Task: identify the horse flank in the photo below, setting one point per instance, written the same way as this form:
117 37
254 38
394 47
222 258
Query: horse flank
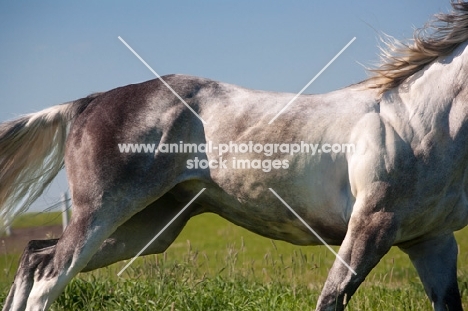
32 151
400 60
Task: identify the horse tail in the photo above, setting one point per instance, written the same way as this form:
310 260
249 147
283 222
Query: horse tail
32 151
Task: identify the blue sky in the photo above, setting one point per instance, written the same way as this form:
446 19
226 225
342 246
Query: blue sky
57 51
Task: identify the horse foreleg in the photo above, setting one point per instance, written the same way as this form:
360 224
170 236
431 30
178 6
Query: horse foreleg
370 235
436 262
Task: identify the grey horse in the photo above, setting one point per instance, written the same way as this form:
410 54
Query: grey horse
404 184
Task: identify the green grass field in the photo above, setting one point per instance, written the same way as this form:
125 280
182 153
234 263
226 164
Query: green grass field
37 219
214 265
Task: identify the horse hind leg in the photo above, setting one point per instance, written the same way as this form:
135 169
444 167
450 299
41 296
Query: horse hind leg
34 254
132 236
44 272
436 262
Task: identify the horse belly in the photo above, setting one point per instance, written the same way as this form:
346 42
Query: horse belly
249 202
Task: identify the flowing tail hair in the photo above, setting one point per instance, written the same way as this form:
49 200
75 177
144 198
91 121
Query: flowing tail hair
32 151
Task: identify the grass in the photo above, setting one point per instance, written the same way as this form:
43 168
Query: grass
37 219
214 265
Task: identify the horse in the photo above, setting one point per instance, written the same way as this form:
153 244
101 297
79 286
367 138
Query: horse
404 185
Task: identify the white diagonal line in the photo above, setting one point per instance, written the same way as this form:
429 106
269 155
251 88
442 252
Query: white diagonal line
313 231
159 77
313 79
160 232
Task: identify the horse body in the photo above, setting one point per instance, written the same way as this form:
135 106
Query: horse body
240 195
405 183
